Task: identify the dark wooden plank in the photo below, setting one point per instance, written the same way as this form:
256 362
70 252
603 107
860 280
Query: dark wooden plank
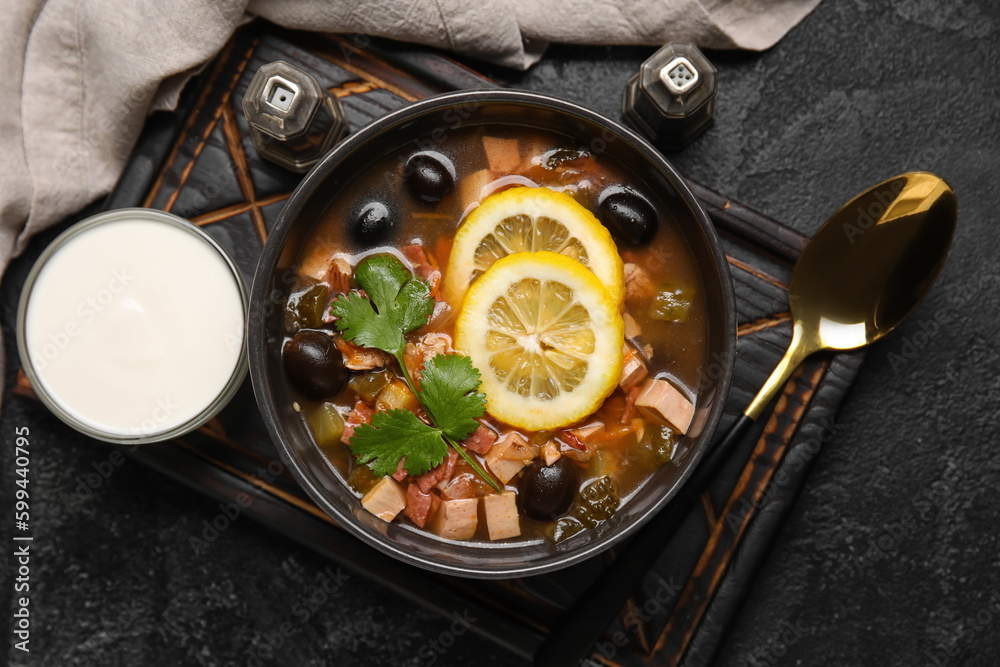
295 521
226 457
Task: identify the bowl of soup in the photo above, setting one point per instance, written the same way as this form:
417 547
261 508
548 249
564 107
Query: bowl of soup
492 333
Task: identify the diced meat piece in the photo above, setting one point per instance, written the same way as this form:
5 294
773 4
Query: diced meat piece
617 431
339 276
551 453
361 414
633 369
504 155
448 470
661 400
571 440
420 505
427 481
400 473
647 350
364 412
418 258
314 268
385 500
515 448
423 265
632 328
481 440
456 519
463 486
472 187
638 285
585 434
504 469
579 455
359 358
434 344
501 515
316 264
510 444
413 358
415 355
442 473
630 397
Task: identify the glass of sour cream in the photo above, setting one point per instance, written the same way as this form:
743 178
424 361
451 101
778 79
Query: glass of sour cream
132 326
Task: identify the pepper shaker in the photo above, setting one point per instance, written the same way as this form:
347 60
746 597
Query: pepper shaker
671 100
293 120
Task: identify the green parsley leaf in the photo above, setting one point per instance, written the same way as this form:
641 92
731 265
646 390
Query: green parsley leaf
449 392
360 324
393 435
396 303
382 276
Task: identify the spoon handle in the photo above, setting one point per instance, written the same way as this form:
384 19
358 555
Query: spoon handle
797 351
585 622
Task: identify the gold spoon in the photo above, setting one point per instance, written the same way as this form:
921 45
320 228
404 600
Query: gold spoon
865 270
862 273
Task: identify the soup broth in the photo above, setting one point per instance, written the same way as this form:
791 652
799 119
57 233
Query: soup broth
411 208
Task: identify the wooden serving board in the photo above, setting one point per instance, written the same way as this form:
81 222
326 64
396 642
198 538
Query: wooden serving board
200 164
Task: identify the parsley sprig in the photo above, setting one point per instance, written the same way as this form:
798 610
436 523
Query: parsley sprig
395 303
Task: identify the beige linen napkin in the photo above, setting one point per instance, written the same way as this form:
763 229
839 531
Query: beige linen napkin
80 76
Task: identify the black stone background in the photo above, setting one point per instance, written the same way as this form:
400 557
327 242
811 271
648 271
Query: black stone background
860 91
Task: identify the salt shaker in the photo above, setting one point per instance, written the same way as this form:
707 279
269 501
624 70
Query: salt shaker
671 100
293 120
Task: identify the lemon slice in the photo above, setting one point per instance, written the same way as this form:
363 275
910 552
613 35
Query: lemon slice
546 337
531 219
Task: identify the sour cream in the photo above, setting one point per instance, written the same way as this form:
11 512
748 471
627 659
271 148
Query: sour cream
132 326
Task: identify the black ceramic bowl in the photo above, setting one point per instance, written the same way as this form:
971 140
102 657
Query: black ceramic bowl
312 197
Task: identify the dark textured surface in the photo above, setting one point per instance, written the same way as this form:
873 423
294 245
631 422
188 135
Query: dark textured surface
889 557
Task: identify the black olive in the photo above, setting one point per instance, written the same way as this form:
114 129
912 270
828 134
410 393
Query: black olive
545 491
628 215
314 364
372 224
429 176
